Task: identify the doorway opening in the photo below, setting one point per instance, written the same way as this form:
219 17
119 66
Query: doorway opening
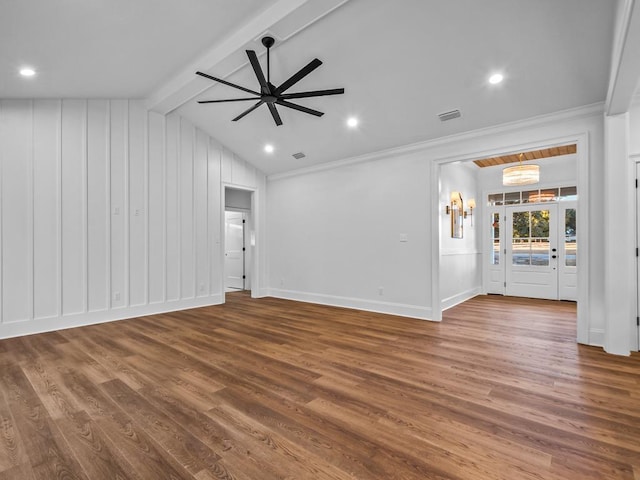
238 240
575 170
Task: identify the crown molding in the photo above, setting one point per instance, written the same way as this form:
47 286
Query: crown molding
595 109
625 66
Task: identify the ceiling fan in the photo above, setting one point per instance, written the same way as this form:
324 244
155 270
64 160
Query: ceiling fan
270 94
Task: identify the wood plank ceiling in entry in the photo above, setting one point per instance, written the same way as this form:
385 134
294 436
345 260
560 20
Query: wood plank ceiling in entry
531 155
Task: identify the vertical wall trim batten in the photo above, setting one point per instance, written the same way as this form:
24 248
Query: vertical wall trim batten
107 175
207 210
145 180
59 187
85 208
1 233
179 200
31 222
127 207
194 218
164 213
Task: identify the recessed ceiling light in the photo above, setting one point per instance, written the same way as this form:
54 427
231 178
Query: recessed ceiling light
352 122
495 78
27 72
268 148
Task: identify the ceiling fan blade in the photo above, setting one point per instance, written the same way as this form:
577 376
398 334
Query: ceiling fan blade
248 111
253 58
224 82
296 77
229 100
274 114
315 93
300 108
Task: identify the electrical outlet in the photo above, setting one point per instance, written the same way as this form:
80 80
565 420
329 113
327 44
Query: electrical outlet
282 282
380 291
201 287
116 296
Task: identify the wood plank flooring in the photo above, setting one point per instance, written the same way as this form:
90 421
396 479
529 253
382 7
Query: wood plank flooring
272 389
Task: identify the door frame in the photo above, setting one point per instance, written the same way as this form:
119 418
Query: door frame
254 226
581 140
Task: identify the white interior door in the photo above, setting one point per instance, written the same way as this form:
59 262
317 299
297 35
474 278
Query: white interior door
234 223
531 258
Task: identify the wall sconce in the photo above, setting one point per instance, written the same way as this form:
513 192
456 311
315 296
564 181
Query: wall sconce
457 214
454 202
472 205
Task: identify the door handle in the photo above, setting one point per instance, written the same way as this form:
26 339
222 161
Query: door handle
554 256
553 249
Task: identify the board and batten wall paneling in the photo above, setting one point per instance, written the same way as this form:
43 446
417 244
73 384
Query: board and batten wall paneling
137 204
186 199
200 191
119 187
108 211
214 155
46 208
98 214
74 219
17 215
172 208
157 209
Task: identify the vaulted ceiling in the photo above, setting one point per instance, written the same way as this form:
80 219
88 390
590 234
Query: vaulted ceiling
401 63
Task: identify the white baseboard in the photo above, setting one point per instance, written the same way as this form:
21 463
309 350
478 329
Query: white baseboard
29 327
596 337
400 309
260 293
458 298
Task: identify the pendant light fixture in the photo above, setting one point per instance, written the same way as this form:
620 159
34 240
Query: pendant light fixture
521 174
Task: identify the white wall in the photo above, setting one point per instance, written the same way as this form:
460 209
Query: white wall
460 258
634 128
334 236
108 212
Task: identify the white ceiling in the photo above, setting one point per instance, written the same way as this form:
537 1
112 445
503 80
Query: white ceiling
401 63
108 48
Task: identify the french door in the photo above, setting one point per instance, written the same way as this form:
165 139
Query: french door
532 251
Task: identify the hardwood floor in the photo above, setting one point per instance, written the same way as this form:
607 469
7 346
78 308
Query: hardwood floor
266 389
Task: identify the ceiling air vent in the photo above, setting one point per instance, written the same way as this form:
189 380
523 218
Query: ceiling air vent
299 155
449 115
